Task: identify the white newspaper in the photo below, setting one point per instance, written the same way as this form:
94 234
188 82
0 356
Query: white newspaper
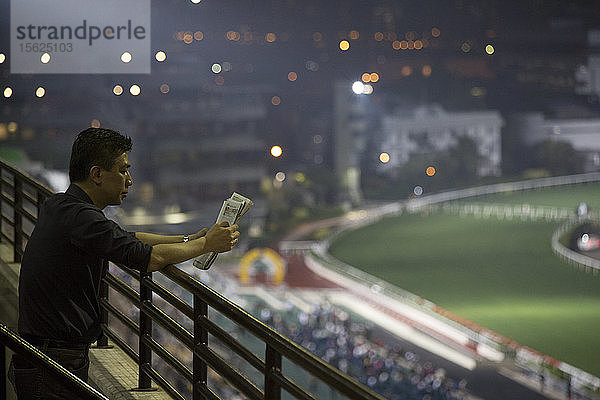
231 211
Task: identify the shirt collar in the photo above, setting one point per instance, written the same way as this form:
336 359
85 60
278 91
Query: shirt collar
78 193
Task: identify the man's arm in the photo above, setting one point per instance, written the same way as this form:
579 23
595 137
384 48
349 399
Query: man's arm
219 238
154 239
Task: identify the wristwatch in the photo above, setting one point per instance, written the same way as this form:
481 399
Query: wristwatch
186 238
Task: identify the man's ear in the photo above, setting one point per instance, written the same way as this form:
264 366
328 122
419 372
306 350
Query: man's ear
96 174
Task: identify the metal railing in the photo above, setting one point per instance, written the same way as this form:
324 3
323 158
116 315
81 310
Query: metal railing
13 341
277 368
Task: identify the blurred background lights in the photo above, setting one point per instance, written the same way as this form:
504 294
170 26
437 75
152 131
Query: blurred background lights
430 171
161 56
418 190
135 90
195 1
45 58
216 68
280 176
2 58
374 77
489 49
344 45
118 90
95 123
270 37
164 88
198 35
40 92
276 151
367 89
8 92
426 70
126 57
275 100
292 76
384 157
435 32
366 77
358 87
465 47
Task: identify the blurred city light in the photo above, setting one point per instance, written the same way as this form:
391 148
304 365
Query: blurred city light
118 90
374 77
366 77
135 90
95 123
126 57
280 176
270 37
276 151
216 68
2 58
292 76
358 87
160 56
489 49
8 92
40 92
275 100
384 157
430 171
195 1
465 47
426 70
435 32
45 58
418 190
344 45
164 88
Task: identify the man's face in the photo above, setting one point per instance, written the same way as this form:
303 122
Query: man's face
116 182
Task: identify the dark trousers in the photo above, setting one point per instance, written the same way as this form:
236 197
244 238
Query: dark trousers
36 383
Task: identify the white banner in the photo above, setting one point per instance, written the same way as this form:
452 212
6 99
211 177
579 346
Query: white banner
80 36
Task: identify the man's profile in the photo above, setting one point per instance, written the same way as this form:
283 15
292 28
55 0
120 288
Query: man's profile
68 253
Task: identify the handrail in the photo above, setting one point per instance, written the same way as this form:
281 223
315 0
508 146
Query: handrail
195 335
35 356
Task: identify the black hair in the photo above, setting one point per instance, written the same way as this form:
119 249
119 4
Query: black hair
96 146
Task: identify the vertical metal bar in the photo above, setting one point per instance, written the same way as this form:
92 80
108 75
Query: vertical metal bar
200 369
272 364
18 223
3 374
145 352
103 340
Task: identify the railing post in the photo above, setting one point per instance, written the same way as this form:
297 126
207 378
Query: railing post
145 352
200 369
18 220
102 342
3 374
272 365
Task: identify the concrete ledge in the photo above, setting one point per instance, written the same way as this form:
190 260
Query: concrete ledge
113 373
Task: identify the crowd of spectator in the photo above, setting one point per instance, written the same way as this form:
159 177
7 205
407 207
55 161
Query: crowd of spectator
348 344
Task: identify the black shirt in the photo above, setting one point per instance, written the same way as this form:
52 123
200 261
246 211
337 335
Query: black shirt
64 262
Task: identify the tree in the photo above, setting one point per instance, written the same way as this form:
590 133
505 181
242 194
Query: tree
559 158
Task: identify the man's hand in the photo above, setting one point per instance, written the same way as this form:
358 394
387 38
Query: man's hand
199 234
221 237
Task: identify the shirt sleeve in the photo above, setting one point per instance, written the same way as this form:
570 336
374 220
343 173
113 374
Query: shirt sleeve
95 234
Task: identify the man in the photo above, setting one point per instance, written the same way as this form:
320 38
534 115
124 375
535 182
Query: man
68 253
